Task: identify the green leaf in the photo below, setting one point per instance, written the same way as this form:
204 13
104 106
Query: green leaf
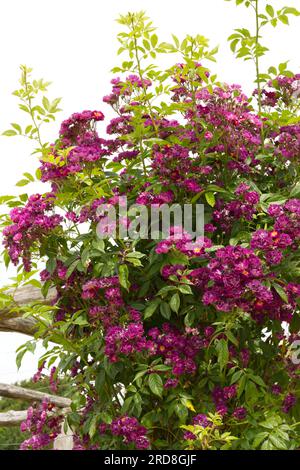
236 376
232 338
149 418
272 70
155 384
251 394
216 188
105 417
134 261
176 257
9 133
24 108
281 292
291 11
211 249
181 411
99 245
233 44
154 40
140 374
176 41
4 199
85 255
29 346
22 182
259 439
135 254
269 423
72 268
17 127
165 310
196 197
80 321
257 379
100 381
223 353
241 386
93 426
34 282
151 307
6 298
29 176
19 357
175 302
46 103
210 198
267 445
270 11
162 368
185 289
278 442
282 67
284 19
127 403
295 190
146 44
164 290
123 276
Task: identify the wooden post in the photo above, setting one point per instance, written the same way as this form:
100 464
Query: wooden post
64 440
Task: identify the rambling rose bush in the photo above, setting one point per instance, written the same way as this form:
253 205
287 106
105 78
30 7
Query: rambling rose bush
170 345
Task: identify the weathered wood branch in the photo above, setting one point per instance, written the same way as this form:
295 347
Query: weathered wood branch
27 326
11 320
13 391
12 418
26 295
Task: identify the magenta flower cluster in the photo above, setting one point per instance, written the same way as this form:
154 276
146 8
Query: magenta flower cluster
126 340
233 272
30 225
129 429
183 242
43 424
244 207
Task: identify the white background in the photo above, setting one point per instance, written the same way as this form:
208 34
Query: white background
72 43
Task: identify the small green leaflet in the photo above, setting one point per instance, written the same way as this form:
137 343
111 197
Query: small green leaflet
156 384
123 276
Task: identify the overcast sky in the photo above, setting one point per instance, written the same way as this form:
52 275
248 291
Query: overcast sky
72 43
